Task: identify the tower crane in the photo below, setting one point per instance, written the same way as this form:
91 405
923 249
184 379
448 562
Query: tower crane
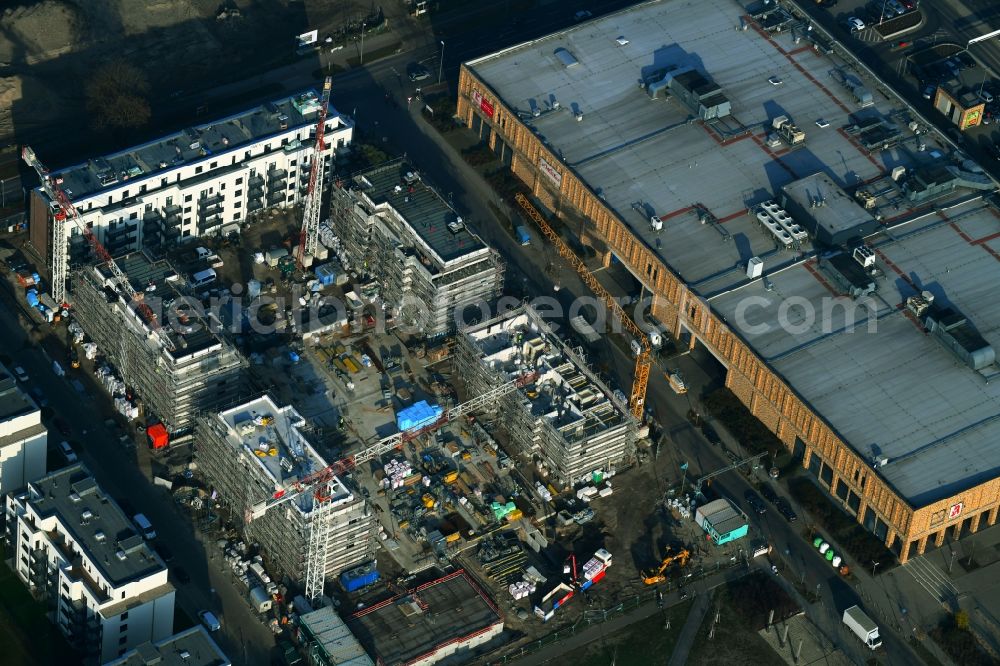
309 236
318 483
53 188
643 359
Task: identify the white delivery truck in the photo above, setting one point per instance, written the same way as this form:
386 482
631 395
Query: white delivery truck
863 627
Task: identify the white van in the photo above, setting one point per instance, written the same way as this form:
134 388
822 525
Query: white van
146 527
203 278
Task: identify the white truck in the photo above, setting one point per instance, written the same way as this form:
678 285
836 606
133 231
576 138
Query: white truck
863 627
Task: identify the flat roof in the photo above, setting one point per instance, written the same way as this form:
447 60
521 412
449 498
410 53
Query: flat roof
13 401
898 391
192 647
425 212
105 534
399 629
832 209
194 144
334 638
273 437
158 280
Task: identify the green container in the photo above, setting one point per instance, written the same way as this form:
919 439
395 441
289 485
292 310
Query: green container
597 477
829 555
817 542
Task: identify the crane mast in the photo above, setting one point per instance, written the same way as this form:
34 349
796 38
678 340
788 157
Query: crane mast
318 483
309 236
643 359
52 185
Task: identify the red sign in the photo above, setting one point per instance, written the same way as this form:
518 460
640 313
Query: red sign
484 105
955 510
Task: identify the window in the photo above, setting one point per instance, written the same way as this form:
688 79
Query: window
213 165
123 595
133 216
238 193
291 187
187 197
142 189
291 174
149 207
199 169
291 197
222 187
284 141
163 182
187 232
124 616
236 216
187 209
170 201
267 147
246 155
237 204
291 163
110 199
125 194
239 181
122 628
123 640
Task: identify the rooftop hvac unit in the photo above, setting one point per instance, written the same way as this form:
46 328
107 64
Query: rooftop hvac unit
755 268
865 256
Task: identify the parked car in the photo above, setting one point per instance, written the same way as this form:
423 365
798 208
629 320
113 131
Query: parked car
62 427
928 91
209 620
582 15
67 452
20 373
854 24
785 509
419 73
768 492
894 7
755 502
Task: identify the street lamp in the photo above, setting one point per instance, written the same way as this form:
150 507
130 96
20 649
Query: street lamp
441 63
874 567
362 59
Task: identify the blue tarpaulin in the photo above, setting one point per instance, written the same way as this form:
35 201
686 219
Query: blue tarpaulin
417 415
326 274
32 297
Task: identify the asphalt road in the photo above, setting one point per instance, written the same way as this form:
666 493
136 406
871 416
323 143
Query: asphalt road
243 637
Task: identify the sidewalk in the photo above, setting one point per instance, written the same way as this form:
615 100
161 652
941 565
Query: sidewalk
690 631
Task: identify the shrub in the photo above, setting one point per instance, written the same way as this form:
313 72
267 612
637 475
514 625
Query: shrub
960 644
755 596
751 433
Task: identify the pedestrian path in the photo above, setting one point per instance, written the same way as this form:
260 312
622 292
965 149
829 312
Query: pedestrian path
932 579
690 631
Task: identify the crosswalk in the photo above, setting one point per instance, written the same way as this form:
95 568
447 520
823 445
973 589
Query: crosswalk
934 581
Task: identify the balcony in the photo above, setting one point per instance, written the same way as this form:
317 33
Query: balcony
276 196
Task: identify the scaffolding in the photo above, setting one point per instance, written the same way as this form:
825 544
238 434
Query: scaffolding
346 524
172 384
567 421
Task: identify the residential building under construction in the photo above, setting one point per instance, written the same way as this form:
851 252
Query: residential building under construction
178 369
399 231
249 452
567 421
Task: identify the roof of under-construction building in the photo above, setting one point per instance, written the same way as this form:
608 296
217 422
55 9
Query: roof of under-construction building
566 393
162 287
273 437
407 626
901 399
191 145
428 216
104 533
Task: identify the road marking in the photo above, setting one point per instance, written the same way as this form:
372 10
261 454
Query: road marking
932 579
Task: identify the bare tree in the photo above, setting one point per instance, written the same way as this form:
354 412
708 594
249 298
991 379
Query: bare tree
117 96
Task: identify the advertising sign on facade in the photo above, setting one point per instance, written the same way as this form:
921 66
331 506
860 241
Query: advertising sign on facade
483 103
550 171
955 510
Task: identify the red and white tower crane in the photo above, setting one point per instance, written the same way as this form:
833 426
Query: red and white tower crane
309 236
318 483
52 185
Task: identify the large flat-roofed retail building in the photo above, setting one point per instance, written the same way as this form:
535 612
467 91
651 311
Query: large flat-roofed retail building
890 400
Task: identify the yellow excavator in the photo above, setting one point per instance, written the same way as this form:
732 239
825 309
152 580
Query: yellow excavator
680 558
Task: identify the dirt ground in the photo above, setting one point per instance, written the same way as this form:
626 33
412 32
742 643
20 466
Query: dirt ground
47 48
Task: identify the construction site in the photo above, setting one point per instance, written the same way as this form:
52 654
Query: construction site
172 372
567 422
426 265
248 453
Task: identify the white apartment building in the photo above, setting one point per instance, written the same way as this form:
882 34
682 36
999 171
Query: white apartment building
74 547
204 180
191 647
23 438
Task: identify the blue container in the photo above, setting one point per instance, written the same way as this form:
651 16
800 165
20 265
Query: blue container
417 415
325 274
355 579
32 297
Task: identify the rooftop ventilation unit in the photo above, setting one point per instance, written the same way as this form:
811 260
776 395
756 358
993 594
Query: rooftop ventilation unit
121 555
621 41
99 536
865 256
565 57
